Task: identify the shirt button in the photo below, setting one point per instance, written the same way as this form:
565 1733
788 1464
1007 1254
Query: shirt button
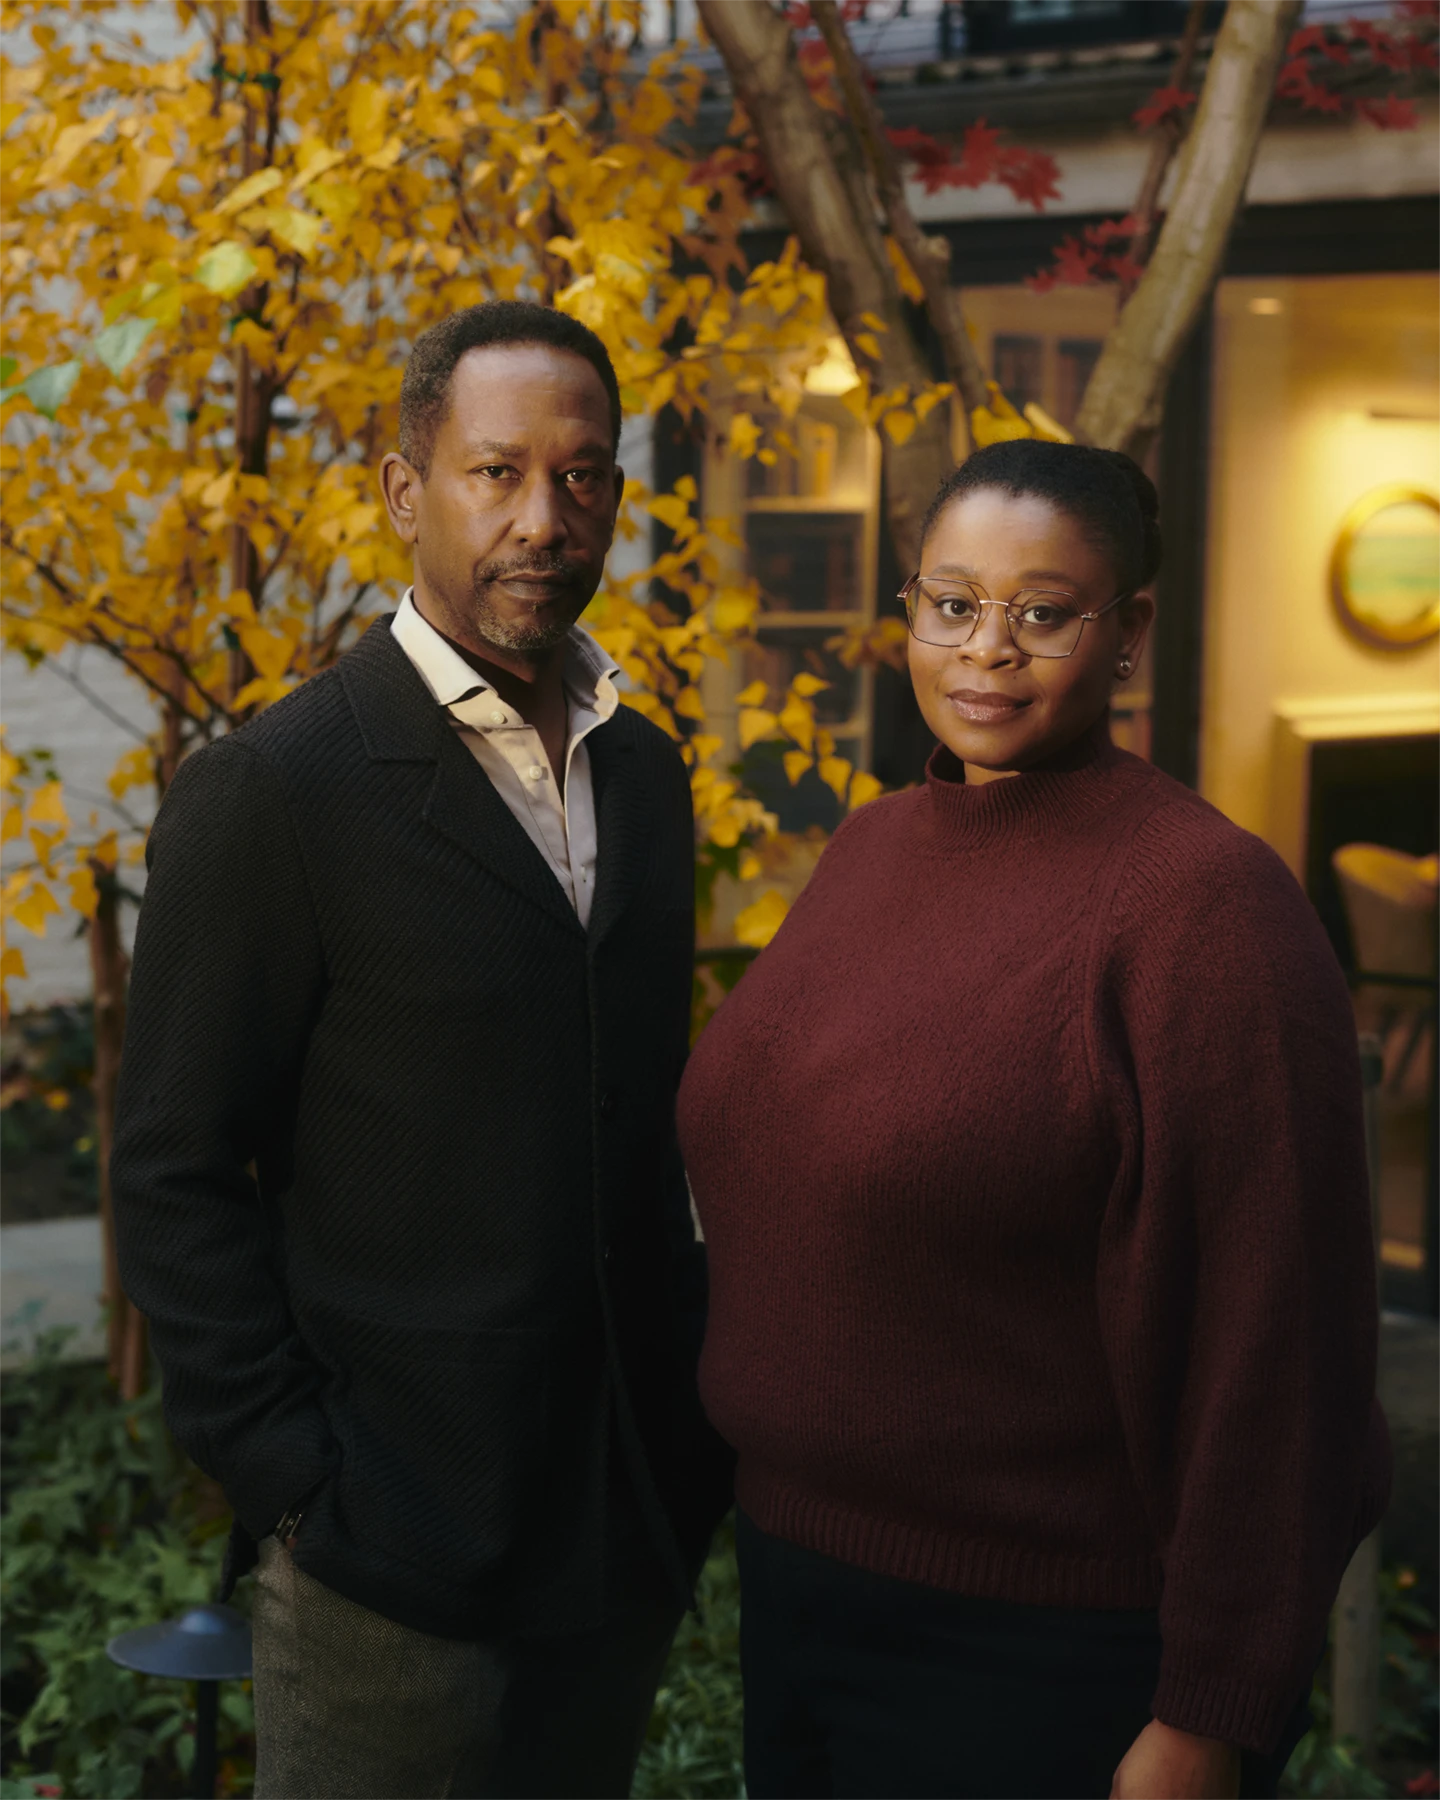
535 772
497 718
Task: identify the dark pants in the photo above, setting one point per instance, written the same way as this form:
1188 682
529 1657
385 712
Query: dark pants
859 1684
351 1706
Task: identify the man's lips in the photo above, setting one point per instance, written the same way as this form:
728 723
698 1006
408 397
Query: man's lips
536 590
985 706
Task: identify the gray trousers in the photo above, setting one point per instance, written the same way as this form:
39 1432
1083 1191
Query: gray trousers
351 1706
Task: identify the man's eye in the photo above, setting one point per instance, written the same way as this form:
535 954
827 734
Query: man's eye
496 471
579 477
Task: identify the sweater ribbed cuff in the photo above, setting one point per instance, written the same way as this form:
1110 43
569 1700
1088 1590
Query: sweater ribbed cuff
1242 1713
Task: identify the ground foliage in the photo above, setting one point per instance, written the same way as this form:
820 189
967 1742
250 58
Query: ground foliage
107 1526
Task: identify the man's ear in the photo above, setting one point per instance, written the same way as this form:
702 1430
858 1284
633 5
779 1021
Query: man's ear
401 487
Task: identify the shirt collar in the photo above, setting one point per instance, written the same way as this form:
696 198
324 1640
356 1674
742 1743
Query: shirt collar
589 673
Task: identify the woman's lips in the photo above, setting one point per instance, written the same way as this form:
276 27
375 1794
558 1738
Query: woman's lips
985 708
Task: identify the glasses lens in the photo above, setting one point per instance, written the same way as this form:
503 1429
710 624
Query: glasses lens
1045 624
942 612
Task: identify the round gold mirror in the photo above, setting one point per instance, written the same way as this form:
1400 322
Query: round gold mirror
1385 568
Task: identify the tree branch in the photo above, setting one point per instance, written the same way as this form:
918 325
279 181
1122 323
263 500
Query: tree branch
824 187
1169 136
928 257
1123 402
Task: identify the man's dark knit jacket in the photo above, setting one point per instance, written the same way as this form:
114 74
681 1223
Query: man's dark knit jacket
395 1173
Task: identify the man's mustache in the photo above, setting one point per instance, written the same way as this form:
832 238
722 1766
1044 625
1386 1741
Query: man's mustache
540 564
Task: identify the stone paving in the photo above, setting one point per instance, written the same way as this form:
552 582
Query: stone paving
50 1275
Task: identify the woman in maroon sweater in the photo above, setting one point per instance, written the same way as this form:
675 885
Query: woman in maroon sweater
1030 1162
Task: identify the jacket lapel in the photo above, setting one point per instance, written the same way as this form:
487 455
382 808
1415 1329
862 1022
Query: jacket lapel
623 820
400 721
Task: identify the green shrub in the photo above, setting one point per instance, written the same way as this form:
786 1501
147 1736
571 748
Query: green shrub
106 1526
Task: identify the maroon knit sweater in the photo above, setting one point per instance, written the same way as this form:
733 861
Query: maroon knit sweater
1030 1161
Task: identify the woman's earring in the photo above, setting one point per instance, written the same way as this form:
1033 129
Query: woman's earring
1125 667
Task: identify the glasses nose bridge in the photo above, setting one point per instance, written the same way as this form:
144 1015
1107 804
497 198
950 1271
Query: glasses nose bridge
1005 639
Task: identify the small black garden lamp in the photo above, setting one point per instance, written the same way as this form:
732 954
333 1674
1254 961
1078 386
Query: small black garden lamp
207 1645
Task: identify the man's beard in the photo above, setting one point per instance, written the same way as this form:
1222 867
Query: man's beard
525 636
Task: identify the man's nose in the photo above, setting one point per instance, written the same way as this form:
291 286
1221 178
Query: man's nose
540 516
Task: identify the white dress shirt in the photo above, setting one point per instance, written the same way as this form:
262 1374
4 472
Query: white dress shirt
560 823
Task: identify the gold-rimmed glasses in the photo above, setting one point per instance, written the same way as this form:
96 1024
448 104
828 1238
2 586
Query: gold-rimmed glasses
945 612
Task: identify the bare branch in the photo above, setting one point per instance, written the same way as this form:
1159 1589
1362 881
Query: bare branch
1123 402
928 257
1169 136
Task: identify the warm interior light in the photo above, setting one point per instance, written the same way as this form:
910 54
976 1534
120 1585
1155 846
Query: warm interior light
836 374
1266 305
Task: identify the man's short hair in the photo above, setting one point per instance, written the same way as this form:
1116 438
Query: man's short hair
425 391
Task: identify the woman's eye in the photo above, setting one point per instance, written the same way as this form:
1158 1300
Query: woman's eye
1045 615
955 606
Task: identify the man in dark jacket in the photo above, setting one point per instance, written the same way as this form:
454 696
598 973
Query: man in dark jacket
395 1172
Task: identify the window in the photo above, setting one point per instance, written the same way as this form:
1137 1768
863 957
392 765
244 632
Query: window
808 526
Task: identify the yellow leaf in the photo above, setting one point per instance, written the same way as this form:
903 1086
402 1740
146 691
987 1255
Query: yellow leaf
669 509
750 866
900 425
869 343
875 323
796 763
12 823
489 81
808 685
150 171
909 281
685 487
752 695
1050 429
270 651
136 768
84 895
226 269
12 964
47 808
365 116
754 723
704 745
217 492
251 189
480 171
33 910
734 610
834 771
758 923
68 145
298 231
744 435
689 705
863 788
797 720
338 200
986 428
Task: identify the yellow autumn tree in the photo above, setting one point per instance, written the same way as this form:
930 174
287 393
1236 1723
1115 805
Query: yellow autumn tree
223 225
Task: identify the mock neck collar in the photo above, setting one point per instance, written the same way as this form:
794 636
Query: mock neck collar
1069 784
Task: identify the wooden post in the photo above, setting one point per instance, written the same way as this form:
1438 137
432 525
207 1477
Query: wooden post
1355 1623
109 967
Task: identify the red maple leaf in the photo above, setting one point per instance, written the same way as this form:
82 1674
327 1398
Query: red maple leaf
1030 175
1387 49
1314 37
1423 1784
1295 83
1390 114
1161 104
1107 230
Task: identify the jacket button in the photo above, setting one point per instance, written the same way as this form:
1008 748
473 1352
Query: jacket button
608 1103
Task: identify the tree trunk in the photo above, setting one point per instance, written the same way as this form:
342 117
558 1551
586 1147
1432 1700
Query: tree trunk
108 967
823 185
1123 402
